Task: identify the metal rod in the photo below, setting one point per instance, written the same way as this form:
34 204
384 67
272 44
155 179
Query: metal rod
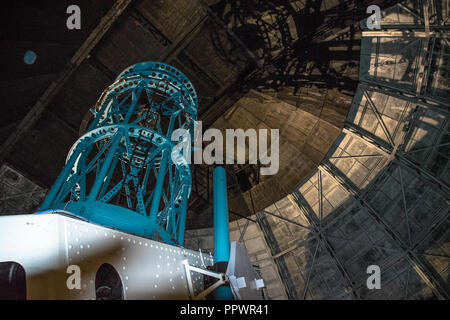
159 185
221 229
105 167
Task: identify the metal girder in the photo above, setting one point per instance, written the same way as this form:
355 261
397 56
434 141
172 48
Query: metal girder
419 169
274 249
422 269
379 118
44 101
357 156
241 238
406 8
286 220
429 148
406 34
352 130
320 236
424 52
405 207
320 196
290 249
422 101
305 290
372 141
22 195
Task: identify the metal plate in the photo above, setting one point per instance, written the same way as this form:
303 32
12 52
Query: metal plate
46 244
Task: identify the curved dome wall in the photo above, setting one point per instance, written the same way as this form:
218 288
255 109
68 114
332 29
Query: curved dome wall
381 194
307 131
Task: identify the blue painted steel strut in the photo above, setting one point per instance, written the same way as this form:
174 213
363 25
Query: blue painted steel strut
221 229
123 172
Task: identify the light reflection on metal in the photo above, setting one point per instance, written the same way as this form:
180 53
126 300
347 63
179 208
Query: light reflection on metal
46 244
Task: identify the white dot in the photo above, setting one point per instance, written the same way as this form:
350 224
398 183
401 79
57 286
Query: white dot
156 286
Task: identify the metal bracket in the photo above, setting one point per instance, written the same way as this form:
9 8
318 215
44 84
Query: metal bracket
221 276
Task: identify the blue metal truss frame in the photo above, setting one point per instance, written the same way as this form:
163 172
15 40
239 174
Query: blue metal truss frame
145 93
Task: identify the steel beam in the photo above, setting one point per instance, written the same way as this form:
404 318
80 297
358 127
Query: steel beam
379 118
407 34
305 290
422 269
286 220
319 234
372 141
422 101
